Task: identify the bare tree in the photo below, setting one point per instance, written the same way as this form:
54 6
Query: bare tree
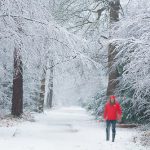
86 16
17 97
113 74
89 17
50 86
42 93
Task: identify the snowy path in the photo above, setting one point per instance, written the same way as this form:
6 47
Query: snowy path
64 129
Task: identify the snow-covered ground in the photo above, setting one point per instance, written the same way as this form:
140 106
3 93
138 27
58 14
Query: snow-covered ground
64 129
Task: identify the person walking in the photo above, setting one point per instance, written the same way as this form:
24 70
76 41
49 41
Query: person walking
112 113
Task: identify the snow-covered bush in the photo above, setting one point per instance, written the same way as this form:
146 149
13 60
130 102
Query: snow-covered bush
96 104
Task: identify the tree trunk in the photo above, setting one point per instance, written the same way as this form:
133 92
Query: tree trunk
17 97
113 74
42 95
50 86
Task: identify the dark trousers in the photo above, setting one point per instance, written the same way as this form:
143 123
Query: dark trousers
108 124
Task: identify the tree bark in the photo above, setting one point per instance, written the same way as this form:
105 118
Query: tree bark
50 86
17 97
42 95
113 74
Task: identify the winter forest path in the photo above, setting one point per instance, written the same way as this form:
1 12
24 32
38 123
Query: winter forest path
64 129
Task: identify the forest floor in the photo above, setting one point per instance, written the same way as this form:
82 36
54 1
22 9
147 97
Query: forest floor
65 129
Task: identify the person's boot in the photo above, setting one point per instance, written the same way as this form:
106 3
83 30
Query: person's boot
113 137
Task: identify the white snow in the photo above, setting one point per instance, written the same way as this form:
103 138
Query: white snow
64 129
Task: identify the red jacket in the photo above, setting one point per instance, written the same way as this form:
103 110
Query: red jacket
112 112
